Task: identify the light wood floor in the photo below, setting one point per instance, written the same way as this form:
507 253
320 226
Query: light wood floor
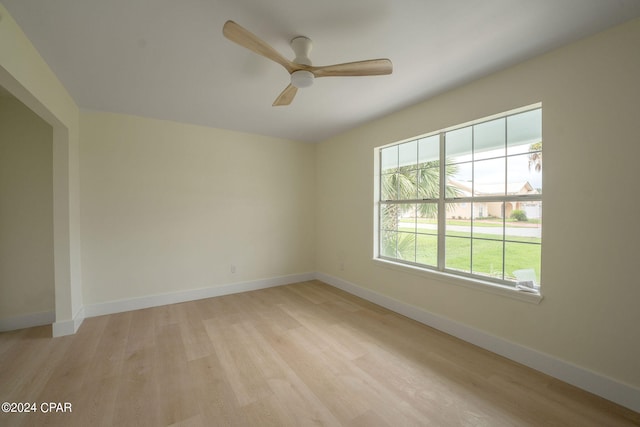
297 355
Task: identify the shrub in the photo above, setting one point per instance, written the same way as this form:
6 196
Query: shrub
519 215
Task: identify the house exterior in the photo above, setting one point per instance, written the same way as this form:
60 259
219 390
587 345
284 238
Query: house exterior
492 209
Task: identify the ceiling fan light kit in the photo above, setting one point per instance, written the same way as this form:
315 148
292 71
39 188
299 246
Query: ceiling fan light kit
302 72
302 78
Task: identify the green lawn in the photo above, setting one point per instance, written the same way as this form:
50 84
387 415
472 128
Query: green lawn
484 223
479 256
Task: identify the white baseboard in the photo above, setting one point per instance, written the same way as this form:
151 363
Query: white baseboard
119 306
623 394
69 327
27 321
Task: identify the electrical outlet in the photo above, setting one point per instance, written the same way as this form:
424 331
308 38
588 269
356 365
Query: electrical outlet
233 268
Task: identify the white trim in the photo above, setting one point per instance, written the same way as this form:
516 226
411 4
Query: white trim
603 386
69 327
129 304
63 327
467 282
27 321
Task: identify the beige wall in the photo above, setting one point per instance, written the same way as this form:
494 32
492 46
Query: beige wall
169 207
590 95
26 212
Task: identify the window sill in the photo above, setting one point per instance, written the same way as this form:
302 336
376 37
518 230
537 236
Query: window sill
477 284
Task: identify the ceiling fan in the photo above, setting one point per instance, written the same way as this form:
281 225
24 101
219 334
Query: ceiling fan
301 71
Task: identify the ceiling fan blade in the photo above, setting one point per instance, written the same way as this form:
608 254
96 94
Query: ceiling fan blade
286 96
372 67
246 39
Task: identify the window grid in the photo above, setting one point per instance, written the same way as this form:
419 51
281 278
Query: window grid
407 236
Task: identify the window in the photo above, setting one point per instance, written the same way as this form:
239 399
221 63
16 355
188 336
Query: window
466 200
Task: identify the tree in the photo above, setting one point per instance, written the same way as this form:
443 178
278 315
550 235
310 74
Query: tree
535 156
409 183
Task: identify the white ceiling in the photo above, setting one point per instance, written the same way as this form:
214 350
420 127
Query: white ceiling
168 59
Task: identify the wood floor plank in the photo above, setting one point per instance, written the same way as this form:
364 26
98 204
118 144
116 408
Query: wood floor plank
216 397
268 412
176 394
368 419
290 391
137 392
244 376
194 335
97 397
34 350
305 354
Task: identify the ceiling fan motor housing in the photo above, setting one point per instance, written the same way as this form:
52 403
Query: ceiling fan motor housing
301 47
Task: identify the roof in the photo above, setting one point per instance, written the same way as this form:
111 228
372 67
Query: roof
494 189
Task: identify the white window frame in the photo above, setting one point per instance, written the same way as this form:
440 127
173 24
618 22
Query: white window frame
461 278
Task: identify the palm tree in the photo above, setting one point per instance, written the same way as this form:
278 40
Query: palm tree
535 156
409 183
